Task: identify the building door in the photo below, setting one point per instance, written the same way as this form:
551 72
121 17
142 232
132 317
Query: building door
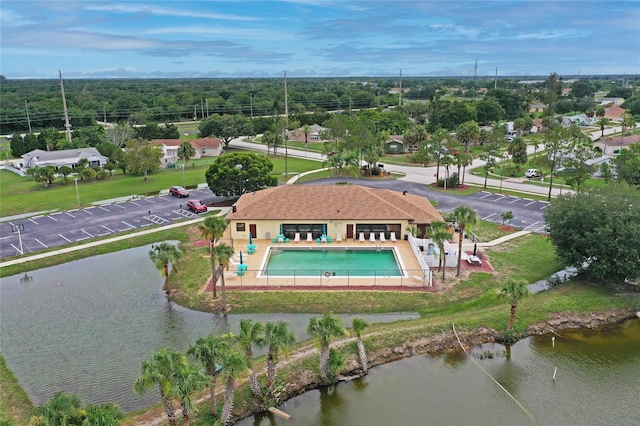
349 230
253 231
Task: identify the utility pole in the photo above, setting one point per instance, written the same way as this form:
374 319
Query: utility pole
206 101
286 124
202 109
495 80
251 97
400 94
26 107
195 113
475 75
104 114
66 112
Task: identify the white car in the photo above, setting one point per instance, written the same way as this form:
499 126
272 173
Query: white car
531 173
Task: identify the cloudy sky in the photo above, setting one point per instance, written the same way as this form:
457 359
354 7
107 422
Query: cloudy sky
317 38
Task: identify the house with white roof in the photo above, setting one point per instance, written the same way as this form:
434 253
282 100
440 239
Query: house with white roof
65 157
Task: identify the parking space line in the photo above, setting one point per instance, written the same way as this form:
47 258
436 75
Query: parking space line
498 199
128 224
53 218
487 217
133 202
82 239
533 224
70 214
30 219
65 238
544 207
106 210
108 229
146 199
41 243
90 236
517 199
488 195
118 205
146 224
17 249
103 234
528 204
86 211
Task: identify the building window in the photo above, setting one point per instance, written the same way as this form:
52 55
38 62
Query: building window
240 227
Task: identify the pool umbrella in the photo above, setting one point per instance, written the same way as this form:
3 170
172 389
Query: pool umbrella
324 229
475 249
250 240
241 258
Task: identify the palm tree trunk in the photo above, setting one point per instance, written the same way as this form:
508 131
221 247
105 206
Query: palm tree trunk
362 353
212 395
213 276
271 372
512 317
460 238
170 409
224 293
464 172
324 361
443 262
185 416
167 287
228 403
255 386
486 175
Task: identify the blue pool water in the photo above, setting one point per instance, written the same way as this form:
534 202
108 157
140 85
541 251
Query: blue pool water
339 262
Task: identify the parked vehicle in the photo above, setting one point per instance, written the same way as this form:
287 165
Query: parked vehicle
178 191
196 206
531 173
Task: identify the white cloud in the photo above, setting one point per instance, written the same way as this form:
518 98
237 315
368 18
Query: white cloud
163 11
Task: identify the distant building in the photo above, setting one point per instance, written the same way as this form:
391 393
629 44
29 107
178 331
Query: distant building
537 107
615 113
315 134
205 147
65 157
611 145
608 101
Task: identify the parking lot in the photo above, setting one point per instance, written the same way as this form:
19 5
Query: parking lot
51 230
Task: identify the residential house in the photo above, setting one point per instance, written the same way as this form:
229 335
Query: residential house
612 145
395 145
610 101
615 113
537 107
65 157
315 134
595 164
204 147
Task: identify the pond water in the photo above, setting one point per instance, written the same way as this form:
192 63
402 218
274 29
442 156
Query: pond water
86 326
597 383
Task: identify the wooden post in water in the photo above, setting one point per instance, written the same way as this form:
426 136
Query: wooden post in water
554 373
279 413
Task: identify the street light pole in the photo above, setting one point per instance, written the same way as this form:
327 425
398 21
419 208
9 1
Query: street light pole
77 193
239 168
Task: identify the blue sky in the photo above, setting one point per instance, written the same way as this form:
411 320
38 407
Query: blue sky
316 38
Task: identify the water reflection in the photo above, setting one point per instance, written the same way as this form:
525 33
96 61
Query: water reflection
86 326
597 384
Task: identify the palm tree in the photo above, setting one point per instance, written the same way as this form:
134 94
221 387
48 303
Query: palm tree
160 371
62 409
336 362
213 229
306 130
162 255
208 350
603 122
465 217
439 234
222 253
358 325
325 329
251 334
108 414
278 337
186 382
514 292
233 364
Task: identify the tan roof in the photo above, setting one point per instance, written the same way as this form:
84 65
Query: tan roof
333 202
617 140
197 143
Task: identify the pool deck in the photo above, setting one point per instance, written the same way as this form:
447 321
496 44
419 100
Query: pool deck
252 280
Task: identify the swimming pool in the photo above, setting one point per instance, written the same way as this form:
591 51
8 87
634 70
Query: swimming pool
332 262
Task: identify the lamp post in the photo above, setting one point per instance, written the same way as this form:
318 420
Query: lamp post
239 168
18 229
77 193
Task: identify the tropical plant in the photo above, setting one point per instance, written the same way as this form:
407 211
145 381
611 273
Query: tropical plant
208 351
465 217
251 334
467 133
186 151
507 217
222 253
358 325
160 371
336 362
162 255
213 229
513 291
233 364
62 409
187 381
108 414
325 329
439 233
278 337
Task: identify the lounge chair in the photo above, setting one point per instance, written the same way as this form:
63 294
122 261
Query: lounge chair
372 237
361 237
281 238
297 238
392 237
339 237
382 238
309 237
